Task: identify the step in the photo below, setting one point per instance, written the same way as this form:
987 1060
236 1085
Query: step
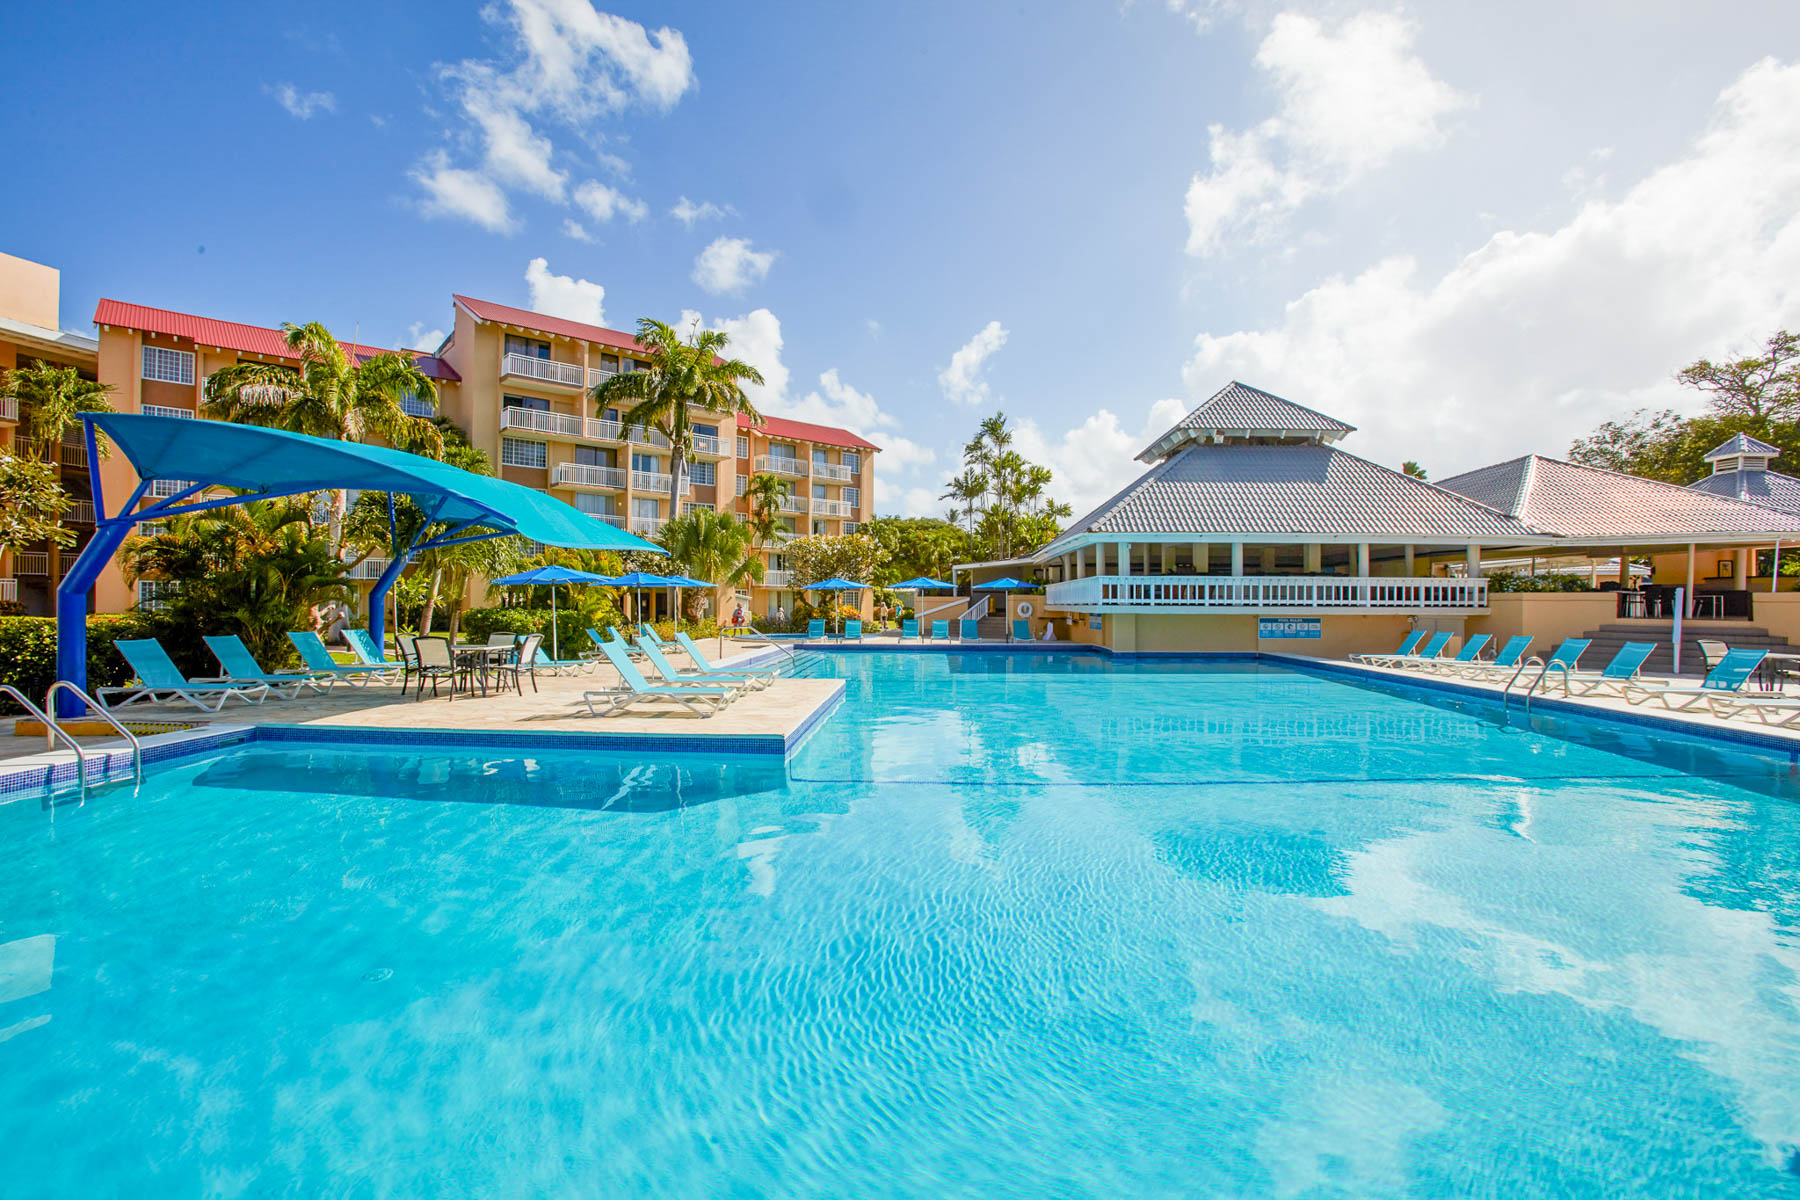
1609 638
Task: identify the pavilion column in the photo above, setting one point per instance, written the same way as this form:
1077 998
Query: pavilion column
1313 559
1268 560
1743 567
1689 606
1202 556
1162 558
1624 568
1237 558
1473 560
1775 567
1409 560
1124 566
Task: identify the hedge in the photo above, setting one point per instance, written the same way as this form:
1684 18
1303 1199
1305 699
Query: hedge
28 651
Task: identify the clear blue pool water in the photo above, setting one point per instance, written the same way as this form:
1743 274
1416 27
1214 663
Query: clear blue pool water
1006 926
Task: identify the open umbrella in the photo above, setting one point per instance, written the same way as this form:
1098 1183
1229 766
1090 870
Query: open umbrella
1005 584
678 582
920 582
834 586
640 580
552 577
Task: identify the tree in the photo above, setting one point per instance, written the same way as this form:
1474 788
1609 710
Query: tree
329 397
765 494
713 546
967 489
1409 467
682 374
1017 513
1764 386
31 503
854 556
913 546
51 401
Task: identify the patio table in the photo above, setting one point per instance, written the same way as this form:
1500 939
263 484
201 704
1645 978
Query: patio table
474 658
1774 669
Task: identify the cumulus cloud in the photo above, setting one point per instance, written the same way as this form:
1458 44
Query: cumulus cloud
603 203
563 295
1537 336
687 212
1095 459
729 265
299 104
962 379
576 230
418 337
453 192
1348 101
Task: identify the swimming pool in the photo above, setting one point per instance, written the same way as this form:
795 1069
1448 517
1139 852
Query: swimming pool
1006 925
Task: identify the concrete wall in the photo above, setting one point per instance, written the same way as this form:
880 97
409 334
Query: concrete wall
1548 617
1779 614
29 292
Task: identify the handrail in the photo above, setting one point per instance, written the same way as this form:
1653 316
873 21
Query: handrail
52 731
137 747
771 641
977 610
1506 692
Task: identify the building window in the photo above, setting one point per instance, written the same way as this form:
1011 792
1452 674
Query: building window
818 527
595 456
743 447
646 462
853 497
529 347
782 450
853 460
534 403
163 410
852 526
517 452
702 473
711 431
742 485
412 406
648 510
162 489
595 504
609 363
155 594
819 492
821 456
689 506
169 366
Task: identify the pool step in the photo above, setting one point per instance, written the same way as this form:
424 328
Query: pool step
1737 634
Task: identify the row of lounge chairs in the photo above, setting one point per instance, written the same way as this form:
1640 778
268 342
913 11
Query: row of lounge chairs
910 631
1722 690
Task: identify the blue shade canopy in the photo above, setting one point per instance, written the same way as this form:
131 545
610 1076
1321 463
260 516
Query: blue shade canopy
922 581
683 581
835 585
552 575
1006 584
276 462
642 579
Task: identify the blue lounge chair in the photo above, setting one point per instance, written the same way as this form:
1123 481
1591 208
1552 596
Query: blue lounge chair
1622 670
1407 646
815 629
1506 661
940 631
363 646
971 630
742 681
645 633
909 629
1472 647
618 639
853 631
705 664
1430 650
319 661
158 679
1724 681
240 666
1021 630
634 688
561 666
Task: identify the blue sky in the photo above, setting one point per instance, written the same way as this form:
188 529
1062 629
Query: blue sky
1471 233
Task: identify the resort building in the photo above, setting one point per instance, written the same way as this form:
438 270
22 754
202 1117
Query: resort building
30 331
1740 471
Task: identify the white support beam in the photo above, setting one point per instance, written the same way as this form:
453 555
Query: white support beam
1237 559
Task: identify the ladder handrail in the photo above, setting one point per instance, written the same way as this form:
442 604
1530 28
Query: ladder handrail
771 641
52 731
137 747
1506 692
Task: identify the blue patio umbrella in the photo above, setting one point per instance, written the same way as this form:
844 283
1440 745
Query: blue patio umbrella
836 585
1005 583
639 580
551 577
920 583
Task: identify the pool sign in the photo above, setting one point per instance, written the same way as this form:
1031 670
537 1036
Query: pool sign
1290 627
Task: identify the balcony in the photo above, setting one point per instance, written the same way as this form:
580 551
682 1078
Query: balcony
31 562
708 446
777 464
9 589
657 482
9 409
1267 594
599 375
833 508
648 526
588 475
647 437
793 504
543 370
778 579
79 512
832 472
369 568
73 454
616 520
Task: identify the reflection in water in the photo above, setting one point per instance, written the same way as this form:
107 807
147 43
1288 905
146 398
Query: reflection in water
26 967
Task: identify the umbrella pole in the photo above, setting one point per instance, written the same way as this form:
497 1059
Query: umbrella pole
555 650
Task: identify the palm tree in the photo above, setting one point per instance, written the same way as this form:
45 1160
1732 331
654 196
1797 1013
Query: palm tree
329 397
765 493
713 546
682 374
51 399
966 489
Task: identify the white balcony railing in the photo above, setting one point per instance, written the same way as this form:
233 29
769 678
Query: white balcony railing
832 508
599 375
648 526
9 589
616 520
74 454
79 512
832 472
369 568
31 562
708 446
538 421
650 481
793 504
647 437
777 579
543 370
9 409
777 464
1266 593
588 475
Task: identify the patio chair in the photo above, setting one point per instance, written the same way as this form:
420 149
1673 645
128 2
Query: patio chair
970 630
1407 646
240 666
1472 647
1622 670
909 629
634 688
815 628
705 664
436 661
1021 630
1713 652
1507 661
618 639
562 666
318 660
742 681
852 632
158 677
940 631
522 663
1726 678
1430 650
363 646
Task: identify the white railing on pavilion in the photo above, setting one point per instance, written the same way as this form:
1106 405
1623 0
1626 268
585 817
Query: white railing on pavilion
542 369
1266 593
589 475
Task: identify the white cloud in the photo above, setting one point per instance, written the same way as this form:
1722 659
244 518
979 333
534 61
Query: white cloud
1348 102
756 338
962 379
299 104
576 230
1095 459
1200 12
729 265
1536 337
564 296
512 151
687 212
874 328
420 338
454 192
603 203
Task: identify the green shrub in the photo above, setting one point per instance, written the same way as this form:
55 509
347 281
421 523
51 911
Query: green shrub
1515 581
571 624
28 651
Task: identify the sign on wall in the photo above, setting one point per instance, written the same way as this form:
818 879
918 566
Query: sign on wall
1290 627
1094 623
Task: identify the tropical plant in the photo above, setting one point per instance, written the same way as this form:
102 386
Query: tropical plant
253 569
968 489
713 546
51 400
329 396
31 503
1012 494
1409 467
683 374
765 493
853 556
919 546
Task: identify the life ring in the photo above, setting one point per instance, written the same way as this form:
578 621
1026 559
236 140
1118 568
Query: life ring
1024 608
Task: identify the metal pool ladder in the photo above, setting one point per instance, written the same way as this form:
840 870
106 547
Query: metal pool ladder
771 641
52 730
1506 692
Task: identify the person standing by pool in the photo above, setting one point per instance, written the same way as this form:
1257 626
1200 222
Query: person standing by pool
781 614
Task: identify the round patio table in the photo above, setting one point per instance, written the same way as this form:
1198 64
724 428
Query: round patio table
474 658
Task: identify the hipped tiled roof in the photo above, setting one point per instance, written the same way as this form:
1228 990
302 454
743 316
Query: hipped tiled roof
1242 409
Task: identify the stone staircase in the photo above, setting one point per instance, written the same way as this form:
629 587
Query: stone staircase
993 629
1737 634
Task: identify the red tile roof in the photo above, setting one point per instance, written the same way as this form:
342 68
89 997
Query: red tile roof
505 314
806 431
229 335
